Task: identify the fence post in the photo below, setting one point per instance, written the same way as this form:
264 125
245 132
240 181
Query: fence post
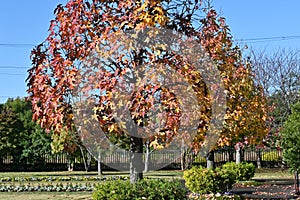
296 182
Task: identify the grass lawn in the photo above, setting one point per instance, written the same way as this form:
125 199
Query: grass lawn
152 174
269 174
64 173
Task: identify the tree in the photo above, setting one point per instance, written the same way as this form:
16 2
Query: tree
291 140
279 74
246 112
62 65
7 141
22 138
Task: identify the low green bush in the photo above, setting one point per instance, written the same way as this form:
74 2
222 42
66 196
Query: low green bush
203 181
148 189
199 159
271 156
242 172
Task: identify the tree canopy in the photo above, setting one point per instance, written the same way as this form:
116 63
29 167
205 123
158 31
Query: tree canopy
291 138
22 138
82 29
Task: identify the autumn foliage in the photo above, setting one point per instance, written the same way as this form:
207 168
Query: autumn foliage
83 26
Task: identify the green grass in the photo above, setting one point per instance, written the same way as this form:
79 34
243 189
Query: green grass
152 174
272 174
64 173
69 195
264 173
260 174
268 174
164 174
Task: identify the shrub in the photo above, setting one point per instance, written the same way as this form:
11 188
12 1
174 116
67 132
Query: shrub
270 156
241 172
199 159
150 189
245 171
203 181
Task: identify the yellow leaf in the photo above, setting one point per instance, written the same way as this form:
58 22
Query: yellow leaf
139 121
105 118
111 128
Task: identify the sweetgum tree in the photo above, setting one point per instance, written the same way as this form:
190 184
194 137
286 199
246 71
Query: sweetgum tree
83 27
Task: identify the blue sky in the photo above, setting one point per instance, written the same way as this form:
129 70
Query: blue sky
27 22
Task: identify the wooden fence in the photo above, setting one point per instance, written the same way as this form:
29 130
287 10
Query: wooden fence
269 158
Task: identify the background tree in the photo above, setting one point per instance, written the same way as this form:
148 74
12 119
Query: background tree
246 104
69 142
291 141
8 137
279 75
22 138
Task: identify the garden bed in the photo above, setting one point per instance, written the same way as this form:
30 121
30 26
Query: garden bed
268 190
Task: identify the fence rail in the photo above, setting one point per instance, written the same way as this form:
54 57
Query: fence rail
173 158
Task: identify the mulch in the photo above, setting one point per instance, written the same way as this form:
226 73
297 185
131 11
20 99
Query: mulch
268 189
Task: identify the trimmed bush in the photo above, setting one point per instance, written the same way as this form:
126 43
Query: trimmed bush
150 189
271 156
203 181
242 172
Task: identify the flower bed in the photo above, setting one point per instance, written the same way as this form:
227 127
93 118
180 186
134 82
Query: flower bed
61 178
218 196
47 188
53 183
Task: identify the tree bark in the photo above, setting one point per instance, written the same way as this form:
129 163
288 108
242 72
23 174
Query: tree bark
258 153
238 154
83 158
182 155
70 162
88 160
99 164
136 159
230 155
210 160
147 156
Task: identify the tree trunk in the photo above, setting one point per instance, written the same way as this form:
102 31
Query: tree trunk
83 158
258 154
147 156
89 161
238 154
230 154
70 162
182 155
210 160
99 164
136 159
